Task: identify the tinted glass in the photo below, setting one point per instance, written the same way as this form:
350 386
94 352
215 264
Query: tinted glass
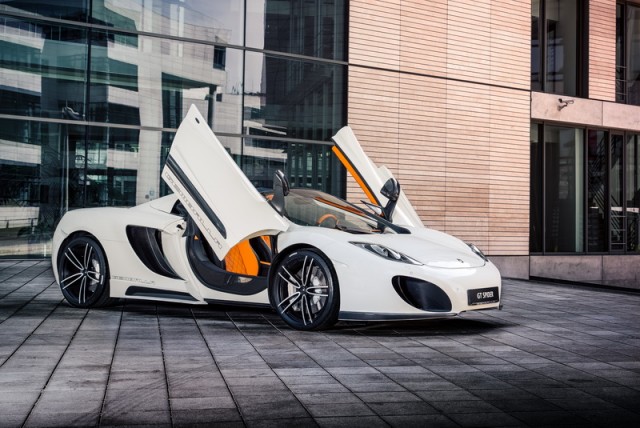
306 165
564 189
33 193
632 55
621 87
616 195
71 10
536 58
152 82
304 27
597 190
562 46
312 208
633 193
535 232
42 68
219 21
292 98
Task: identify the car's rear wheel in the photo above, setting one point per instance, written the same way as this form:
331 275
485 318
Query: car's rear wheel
304 291
83 273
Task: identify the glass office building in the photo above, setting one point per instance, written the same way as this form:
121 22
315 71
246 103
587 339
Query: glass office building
92 91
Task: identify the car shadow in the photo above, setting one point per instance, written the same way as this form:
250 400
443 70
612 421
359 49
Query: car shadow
465 324
431 327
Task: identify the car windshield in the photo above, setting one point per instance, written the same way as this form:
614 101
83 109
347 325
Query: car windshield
308 207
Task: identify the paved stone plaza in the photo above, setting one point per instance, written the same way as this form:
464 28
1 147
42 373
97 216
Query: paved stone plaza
556 355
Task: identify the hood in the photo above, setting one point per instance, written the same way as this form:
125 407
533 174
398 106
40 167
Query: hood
431 248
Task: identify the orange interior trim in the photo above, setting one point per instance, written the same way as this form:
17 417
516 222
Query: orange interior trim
354 173
242 260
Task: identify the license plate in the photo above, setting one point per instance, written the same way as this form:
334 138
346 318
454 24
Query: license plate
481 296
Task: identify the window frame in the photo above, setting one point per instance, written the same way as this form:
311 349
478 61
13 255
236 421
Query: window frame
582 50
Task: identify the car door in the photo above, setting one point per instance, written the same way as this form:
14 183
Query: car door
222 201
370 177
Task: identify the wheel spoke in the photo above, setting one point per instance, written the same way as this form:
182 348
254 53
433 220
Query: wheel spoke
97 276
317 294
81 292
302 306
73 259
308 306
292 279
88 249
292 300
302 272
76 276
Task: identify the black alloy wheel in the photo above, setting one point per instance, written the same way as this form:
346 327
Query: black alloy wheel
83 273
304 291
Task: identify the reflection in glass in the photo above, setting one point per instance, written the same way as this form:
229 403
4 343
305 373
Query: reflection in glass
597 193
71 10
153 82
34 167
564 200
562 46
304 27
536 58
535 232
219 21
306 165
293 98
42 68
632 54
616 195
633 193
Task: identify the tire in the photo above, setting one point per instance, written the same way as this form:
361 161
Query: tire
83 273
304 291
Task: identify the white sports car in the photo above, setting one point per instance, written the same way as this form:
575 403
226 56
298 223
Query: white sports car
313 257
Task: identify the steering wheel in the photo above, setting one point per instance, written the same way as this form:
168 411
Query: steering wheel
326 217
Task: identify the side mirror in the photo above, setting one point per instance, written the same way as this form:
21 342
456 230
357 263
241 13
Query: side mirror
391 191
280 190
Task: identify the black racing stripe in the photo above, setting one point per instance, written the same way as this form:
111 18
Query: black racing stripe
197 197
359 174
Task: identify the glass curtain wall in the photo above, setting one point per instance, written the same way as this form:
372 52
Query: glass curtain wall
93 91
585 195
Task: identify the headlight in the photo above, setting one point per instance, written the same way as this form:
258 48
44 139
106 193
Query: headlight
386 252
478 252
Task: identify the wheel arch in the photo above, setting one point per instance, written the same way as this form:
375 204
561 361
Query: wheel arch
77 234
297 247
282 254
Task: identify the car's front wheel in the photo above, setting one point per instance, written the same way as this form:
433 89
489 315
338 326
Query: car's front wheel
304 291
83 273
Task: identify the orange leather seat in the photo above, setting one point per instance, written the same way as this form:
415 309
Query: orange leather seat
241 259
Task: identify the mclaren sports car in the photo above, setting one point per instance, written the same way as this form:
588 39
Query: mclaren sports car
313 257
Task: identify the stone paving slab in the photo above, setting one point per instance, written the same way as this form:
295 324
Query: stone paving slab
556 355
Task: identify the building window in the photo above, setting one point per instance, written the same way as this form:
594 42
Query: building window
585 193
628 53
558 47
564 189
632 192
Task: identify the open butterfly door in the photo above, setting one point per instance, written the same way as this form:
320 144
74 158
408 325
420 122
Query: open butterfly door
226 207
370 177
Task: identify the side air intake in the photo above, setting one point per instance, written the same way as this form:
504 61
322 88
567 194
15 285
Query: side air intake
147 245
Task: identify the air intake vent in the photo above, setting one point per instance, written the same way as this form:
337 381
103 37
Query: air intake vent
147 245
422 294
